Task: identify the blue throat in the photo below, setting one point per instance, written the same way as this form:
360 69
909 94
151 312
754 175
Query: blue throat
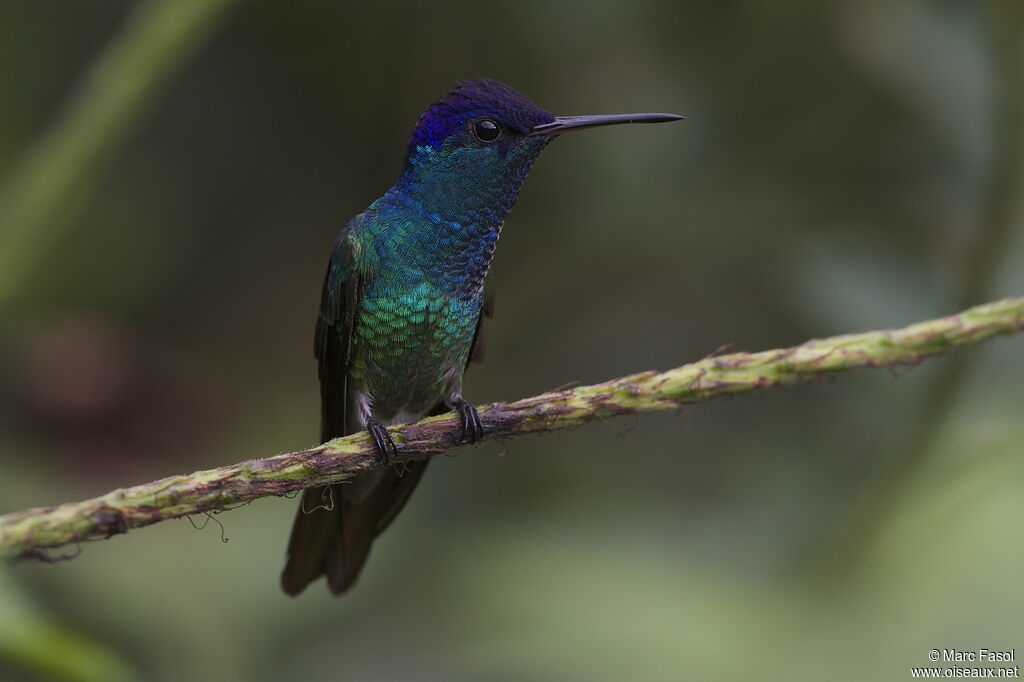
448 207
472 187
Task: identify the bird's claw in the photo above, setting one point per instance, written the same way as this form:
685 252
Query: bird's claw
472 426
387 452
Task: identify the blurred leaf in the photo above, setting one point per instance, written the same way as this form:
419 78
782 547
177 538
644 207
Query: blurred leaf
37 201
33 642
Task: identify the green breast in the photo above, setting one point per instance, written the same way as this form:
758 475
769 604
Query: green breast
409 344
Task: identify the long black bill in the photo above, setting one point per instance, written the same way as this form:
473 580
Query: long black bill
567 124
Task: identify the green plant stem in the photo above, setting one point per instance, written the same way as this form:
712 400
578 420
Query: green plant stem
999 215
158 36
26 533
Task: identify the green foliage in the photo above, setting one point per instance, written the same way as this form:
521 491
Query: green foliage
33 641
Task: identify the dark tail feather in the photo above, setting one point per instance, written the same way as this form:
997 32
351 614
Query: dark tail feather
336 525
335 539
316 524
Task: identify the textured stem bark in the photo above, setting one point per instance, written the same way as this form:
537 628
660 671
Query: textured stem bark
999 217
25 534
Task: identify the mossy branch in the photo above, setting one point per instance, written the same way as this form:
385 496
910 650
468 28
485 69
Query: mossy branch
27 533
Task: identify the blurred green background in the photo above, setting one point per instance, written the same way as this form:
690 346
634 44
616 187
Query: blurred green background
844 166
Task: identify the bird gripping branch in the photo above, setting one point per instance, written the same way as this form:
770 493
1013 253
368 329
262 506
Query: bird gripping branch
403 308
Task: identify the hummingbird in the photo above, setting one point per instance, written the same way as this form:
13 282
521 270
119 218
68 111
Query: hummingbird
403 309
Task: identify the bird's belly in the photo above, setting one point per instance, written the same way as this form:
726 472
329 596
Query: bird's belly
411 347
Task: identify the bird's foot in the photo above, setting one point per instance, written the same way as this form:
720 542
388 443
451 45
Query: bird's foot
387 452
472 427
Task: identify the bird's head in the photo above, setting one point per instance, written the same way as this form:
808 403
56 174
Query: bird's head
479 125
477 143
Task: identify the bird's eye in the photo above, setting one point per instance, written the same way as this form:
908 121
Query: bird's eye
486 130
